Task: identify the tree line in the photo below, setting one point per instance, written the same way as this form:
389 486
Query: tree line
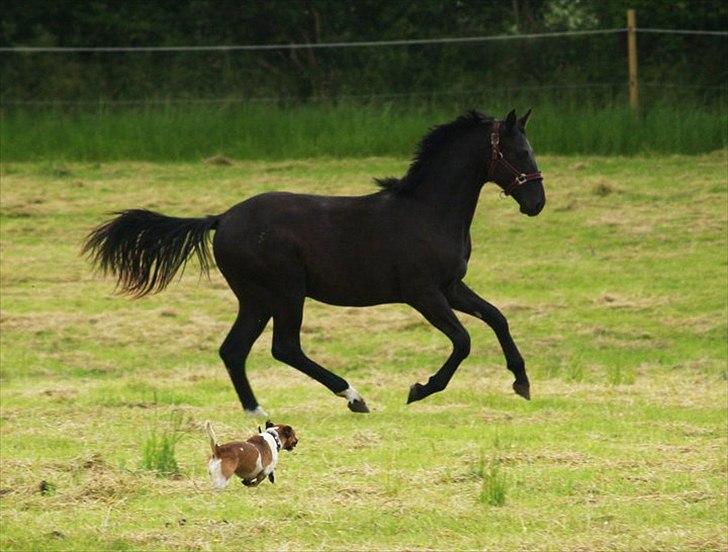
688 62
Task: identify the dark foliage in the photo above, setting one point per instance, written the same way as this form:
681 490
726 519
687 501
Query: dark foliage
332 73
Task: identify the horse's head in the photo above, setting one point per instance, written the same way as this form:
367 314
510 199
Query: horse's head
513 166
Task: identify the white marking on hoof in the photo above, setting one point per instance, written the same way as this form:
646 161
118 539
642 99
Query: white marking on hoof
350 394
257 413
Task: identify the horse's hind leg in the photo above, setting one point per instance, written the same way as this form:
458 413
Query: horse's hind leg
287 318
248 326
463 299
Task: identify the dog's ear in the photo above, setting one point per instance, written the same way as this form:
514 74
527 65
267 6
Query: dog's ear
269 424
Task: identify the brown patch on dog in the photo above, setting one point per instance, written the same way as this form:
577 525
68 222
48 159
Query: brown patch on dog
263 449
287 436
241 458
228 466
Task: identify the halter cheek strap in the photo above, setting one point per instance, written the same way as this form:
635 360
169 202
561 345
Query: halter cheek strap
496 157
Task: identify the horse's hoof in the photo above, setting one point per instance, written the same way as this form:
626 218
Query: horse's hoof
354 400
358 406
416 393
522 389
257 413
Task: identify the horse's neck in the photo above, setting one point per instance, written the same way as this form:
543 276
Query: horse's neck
453 196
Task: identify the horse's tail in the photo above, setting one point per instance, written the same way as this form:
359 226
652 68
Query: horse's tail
144 249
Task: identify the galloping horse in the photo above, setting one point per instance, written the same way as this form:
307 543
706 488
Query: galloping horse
407 243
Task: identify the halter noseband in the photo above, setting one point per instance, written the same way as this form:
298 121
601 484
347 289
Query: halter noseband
519 178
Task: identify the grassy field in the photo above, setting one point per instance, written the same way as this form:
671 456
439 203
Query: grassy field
563 125
616 295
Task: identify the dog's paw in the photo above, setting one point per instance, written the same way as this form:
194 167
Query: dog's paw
257 413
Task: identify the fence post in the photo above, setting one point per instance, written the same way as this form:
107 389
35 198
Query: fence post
634 92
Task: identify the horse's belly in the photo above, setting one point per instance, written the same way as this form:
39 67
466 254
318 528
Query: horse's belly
351 288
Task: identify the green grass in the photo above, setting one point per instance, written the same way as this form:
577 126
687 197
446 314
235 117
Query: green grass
493 489
616 295
158 454
263 131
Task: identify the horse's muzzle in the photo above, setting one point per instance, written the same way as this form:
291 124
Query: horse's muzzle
533 210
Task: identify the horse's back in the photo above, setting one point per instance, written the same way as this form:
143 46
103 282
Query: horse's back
282 217
342 250
324 246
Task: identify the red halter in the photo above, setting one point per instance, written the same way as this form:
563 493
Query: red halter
519 178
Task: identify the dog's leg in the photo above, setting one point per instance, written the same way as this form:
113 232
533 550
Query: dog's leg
253 482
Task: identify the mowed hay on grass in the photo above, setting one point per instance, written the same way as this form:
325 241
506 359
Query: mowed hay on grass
615 295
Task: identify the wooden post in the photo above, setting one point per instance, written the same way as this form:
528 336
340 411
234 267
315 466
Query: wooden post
634 91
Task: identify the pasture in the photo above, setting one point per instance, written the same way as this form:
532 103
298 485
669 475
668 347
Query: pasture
616 296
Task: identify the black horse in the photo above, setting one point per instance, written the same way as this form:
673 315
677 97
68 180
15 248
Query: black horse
407 243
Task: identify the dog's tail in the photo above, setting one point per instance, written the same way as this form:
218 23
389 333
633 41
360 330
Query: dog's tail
211 436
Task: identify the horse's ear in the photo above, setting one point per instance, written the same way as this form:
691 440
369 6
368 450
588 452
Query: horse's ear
523 121
269 424
511 119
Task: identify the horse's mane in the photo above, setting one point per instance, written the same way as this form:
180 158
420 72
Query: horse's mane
433 141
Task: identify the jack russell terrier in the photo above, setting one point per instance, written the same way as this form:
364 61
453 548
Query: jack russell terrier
253 460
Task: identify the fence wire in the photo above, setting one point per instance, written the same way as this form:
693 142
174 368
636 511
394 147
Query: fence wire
248 94
355 44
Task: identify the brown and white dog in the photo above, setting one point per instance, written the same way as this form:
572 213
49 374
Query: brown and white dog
253 460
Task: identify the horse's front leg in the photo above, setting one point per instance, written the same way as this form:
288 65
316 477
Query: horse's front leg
463 299
435 308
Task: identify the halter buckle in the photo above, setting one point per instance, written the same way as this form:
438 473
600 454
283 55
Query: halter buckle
494 139
521 179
